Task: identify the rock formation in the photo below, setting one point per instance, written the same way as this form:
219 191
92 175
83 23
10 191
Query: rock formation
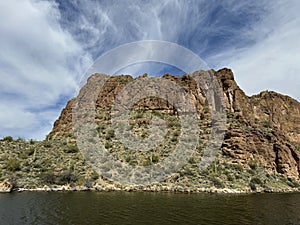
263 128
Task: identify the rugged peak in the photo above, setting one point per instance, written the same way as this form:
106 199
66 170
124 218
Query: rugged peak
225 74
274 95
171 77
226 79
143 76
236 100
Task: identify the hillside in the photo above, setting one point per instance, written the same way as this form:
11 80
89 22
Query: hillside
260 150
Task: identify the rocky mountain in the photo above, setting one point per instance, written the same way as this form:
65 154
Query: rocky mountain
263 128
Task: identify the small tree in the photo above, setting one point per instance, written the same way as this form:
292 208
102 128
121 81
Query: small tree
8 138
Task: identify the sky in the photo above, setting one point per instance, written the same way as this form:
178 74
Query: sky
46 46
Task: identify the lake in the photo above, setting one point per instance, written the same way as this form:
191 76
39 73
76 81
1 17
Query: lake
148 208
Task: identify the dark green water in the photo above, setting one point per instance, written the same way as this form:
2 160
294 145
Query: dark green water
148 208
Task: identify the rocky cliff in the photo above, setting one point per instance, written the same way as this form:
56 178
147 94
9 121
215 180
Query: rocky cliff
263 128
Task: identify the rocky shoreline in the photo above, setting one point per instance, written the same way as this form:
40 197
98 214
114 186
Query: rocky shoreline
6 187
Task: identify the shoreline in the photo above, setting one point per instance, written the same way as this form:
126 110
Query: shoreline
165 189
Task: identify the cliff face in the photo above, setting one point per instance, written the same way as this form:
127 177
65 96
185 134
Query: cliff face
264 128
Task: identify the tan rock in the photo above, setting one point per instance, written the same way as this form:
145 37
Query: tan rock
6 186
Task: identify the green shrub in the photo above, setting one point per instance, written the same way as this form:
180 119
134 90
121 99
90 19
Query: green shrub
252 172
71 149
123 80
292 183
157 114
192 160
110 134
67 177
186 171
235 166
255 180
94 176
150 160
253 164
48 177
29 151
174 139
252 186
26 153
108 145
177 133
144 134
267 124
20 139
230 177
217 182
128 159
13 165
147 162
139 115
154 158
13 181
8 139
173 122
47 144
206 109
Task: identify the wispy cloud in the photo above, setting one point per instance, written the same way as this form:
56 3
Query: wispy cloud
35 70
271 62
203 26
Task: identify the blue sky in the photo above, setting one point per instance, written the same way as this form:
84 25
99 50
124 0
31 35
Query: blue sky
47 45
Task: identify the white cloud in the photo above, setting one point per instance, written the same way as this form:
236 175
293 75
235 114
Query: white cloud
108 25
272 62
13 117
35 73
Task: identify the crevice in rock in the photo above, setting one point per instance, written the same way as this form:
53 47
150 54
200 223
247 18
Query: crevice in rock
276 150
297 159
